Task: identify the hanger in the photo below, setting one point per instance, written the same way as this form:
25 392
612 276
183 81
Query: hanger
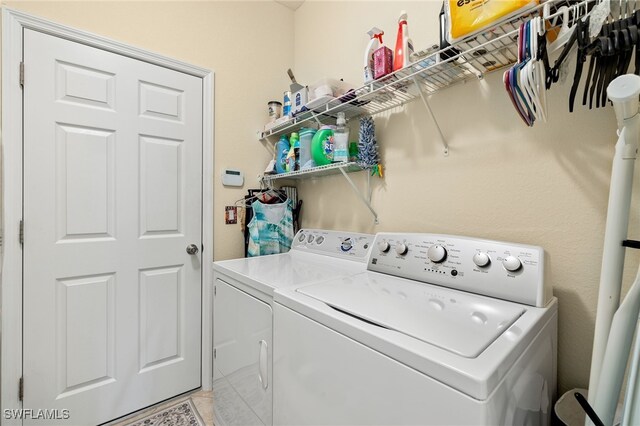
582 37
533 71
565 30
611 52
525 81
265 194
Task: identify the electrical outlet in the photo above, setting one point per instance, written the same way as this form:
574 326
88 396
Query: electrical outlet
230 215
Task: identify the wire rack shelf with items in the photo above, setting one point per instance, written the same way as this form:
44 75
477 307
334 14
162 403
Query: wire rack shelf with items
469 59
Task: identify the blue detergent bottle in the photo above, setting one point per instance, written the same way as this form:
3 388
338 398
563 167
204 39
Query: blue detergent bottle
282 150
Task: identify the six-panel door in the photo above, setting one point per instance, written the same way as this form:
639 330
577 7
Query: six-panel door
112 198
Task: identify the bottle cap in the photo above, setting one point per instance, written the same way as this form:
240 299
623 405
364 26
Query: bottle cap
341 121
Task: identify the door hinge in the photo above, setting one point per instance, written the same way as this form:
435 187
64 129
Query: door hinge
21 233
21 74
21 389
214 353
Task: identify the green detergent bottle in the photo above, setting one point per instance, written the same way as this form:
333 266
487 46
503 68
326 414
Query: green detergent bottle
322 146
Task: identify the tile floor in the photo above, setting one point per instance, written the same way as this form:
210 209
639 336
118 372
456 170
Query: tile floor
203 400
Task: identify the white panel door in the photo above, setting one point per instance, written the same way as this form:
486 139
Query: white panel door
112 199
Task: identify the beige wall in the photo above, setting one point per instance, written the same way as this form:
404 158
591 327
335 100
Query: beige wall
249 46
547 185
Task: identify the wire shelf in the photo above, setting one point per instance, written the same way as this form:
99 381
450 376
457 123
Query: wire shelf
329 169
493 49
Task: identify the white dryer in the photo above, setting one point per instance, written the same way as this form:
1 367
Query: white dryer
440 330
243 323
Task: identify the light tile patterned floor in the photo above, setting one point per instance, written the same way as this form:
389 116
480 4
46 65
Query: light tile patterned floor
203 400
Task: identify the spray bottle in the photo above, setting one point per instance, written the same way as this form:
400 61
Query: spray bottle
374 43
404 45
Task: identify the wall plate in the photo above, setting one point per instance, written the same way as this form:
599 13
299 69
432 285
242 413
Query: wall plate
230 215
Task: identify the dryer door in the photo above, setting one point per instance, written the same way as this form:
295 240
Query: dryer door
242 336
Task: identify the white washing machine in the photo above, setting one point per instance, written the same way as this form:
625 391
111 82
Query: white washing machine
243 323
440 330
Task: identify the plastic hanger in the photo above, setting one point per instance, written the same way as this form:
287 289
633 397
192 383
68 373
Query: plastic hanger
565 30
526 73
582 37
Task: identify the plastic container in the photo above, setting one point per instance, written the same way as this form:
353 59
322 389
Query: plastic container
341 140
306 135
275 110
353 151
286 110
282 150
322 146
293 157
404 46
328 87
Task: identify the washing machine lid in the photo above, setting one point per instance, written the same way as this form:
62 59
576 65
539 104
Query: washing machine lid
458 322
267 273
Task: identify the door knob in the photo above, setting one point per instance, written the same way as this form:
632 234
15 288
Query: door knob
192 249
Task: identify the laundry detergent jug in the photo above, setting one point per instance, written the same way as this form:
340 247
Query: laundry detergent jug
322 146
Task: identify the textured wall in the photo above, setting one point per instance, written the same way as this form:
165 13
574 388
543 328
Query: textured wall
248 52
546 185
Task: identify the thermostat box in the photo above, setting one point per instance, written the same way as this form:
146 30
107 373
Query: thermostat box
232 177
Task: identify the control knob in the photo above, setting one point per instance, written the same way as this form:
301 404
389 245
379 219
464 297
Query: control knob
511 263
346 244
301 237
383 246
401 249
437 253
481 259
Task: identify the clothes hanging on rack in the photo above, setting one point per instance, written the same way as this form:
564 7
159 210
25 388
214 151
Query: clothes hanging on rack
266 196
271 228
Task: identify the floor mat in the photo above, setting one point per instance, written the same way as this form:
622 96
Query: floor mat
183 413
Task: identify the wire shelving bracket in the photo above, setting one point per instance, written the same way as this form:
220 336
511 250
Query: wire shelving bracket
331 169
433 117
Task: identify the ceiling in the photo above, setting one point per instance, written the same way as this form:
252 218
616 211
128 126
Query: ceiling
291 4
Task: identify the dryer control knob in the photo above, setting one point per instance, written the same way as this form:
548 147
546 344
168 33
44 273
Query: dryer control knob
481 259
346 244
383 246
401 249
437 253
302 237
511 263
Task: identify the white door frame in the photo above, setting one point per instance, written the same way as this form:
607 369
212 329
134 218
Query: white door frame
13 24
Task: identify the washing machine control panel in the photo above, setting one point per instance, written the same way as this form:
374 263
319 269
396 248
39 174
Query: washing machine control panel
345 245
507 271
